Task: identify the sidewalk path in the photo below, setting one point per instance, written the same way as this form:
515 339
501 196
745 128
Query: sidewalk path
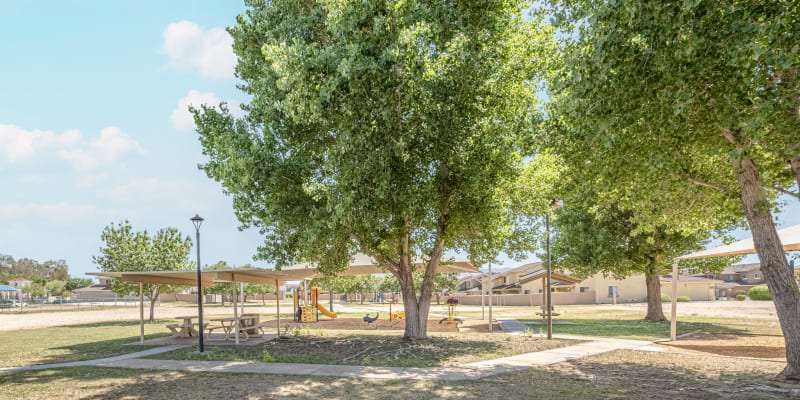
476 370
143 353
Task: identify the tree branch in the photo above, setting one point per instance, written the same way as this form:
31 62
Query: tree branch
722 188
784 191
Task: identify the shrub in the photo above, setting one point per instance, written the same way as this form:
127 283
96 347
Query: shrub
759 293
683 298
741 296
665 298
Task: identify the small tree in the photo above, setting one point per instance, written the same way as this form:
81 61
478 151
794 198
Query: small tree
126 250
56 288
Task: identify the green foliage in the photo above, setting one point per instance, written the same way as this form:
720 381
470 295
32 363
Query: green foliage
441 282
391 128
77 283
30 269
759 293
56 288
741 297
664 298
127 250
35 289
683 299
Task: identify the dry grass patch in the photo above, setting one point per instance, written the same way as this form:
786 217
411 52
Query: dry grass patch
375 349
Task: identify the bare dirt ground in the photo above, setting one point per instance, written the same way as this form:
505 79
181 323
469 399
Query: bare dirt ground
721 308
753 346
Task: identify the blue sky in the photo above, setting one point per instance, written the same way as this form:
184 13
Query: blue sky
94 127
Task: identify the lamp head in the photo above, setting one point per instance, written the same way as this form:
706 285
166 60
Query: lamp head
197 220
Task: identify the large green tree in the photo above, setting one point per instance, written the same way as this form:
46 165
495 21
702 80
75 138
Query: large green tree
126 250
689 103
592 240
386 127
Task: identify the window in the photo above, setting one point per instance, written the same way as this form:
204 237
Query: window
613 291
757 276
584 289
527 291
729 278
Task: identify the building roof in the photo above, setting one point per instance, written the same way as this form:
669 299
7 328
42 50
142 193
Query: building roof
739 268
728 285
506 287
19 280
362 264
556 275
524 268
691 279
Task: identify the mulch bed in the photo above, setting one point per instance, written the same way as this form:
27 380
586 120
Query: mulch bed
382 324
754 346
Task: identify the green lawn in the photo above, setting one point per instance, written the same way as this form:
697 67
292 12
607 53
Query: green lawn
74 343
632 326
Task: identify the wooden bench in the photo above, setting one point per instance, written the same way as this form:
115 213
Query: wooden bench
211 328
179 329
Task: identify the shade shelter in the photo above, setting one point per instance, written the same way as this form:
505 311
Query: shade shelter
789 237
209 278
362 264
6 288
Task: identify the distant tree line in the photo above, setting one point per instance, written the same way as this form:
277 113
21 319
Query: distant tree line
49 277
32 269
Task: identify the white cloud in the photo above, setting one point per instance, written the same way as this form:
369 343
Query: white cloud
112 145
135 188
183 120
19 144
60 211
190 47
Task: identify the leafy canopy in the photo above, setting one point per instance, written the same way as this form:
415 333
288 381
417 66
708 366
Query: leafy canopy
126 250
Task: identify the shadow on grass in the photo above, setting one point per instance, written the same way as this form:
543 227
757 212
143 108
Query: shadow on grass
364 350
622 375
78 342
635 328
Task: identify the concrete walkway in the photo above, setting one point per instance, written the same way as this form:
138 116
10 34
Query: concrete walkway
476 370
99 361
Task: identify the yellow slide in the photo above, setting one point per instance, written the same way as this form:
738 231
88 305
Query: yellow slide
315 291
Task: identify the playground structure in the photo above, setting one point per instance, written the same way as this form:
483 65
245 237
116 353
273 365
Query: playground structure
309 312
451 317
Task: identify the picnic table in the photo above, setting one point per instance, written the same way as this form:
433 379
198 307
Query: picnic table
248 326
185 329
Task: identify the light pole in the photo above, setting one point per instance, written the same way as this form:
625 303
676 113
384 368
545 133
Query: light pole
549 310
197 221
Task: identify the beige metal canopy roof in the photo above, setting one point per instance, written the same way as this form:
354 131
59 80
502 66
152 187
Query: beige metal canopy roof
209 277
790 238
362 264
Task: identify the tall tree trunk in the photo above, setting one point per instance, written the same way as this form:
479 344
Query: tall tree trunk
154 292
773 261
652 278
417 307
